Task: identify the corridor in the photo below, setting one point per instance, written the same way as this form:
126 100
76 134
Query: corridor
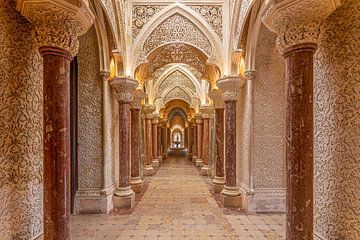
178 204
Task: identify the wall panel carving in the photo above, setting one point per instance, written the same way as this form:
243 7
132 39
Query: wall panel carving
21 157
141 14
337 126
177 93
174 29
176 78
212 15
90 113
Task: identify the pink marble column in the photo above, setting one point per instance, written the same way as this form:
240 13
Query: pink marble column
160 142
135 180
219 180
155 122
194 158
199 127
205 169
149 169
124 196
230 87
56 90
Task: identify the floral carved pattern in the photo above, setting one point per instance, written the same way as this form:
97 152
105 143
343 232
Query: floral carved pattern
177 29
177 93
141 14
176 78
212 15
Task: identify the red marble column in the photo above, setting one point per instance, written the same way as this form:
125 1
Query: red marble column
56 90
194 158
219 179
299 141
148 170
205 169
160 143
199 122
155 160
124 196
230 87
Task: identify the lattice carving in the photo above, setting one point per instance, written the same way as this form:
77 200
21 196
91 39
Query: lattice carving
177 93
141 14
176 78
212 14
174 29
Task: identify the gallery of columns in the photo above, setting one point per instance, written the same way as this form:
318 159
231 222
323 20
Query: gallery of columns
108 105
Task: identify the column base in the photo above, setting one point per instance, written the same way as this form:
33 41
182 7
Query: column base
124 198
93 201
231 197
155 163
136 184
149 170
194 158
218 184
199 162
205 170
160 158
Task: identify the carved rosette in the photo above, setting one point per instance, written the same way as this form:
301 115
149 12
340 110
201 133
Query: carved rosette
298 22
123 88
138 96
104 75
230 87
58 23
250 75
216 96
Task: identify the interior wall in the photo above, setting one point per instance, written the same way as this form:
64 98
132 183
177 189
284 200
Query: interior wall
21 153
268 153
337 126
90 131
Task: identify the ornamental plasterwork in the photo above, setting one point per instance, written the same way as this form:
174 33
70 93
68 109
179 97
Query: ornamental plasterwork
109 8
178 53
141 14
177 28
176 78
177 93
212 15
161 70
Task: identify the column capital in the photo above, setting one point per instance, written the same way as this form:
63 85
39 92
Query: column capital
297 22
250 75
216 96
58 23
138 96
104 75
123 88
230 87
198 118
148 111
155 118
207 112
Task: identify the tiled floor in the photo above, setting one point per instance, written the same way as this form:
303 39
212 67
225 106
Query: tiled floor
178 204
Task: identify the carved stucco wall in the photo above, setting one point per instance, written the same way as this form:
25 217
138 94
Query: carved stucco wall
90 113
21 128
268 153
337 126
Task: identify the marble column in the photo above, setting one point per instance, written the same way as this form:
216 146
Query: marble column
219 180
194 157
230 87
57 43
149 169
297 42
206 115
160 143
199 127
155 123
124 196
135 180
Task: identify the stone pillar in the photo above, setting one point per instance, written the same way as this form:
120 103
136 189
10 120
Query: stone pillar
135 180
149 169
297 42
160 143
155 123
230 87
194 157
206 115
219 180
124 196
57 39
199 123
